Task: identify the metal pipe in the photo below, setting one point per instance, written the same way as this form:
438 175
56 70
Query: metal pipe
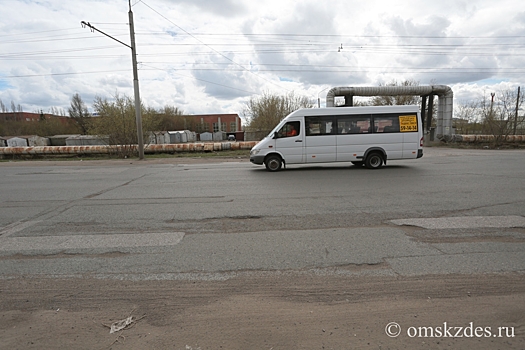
163 148
444 93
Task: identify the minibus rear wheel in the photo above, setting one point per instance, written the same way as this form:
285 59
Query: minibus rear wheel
273 163
374 161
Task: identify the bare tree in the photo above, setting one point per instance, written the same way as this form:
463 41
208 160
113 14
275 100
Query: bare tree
265 112
467 117
171 118
396 100
499 114
117 120
79 112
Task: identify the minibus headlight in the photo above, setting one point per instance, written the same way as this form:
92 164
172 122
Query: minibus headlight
254 152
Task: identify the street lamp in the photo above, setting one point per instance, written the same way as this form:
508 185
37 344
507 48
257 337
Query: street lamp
138 113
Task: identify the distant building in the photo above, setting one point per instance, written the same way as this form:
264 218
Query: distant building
31 117
215 123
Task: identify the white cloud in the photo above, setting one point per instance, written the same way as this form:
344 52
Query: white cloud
226 8
208 56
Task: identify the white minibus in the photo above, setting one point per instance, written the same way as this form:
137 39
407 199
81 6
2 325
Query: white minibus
366 136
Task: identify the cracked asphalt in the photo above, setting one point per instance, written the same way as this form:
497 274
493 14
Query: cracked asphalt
222 254
184 216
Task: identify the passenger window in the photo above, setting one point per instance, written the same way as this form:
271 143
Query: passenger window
353 125
387 123
290 129
318 126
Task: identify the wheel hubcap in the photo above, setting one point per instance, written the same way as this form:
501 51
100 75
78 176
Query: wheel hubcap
375 161
274 164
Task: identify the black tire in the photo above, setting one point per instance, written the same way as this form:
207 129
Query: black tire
374 160
273 163
358 164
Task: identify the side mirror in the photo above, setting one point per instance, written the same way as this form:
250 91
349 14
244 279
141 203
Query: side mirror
276 135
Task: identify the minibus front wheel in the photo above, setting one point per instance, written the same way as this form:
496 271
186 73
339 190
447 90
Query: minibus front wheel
273 163
374 160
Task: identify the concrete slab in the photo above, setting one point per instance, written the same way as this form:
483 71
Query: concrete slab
460 263
464 222
91 241
209 253
479 247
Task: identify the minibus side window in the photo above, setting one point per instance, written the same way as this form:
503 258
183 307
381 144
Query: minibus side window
387 123
354 125
289 129
318 126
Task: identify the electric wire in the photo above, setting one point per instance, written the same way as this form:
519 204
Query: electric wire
211 48
206 81
301 43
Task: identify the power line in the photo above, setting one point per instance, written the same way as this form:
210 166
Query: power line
355 70
39 32
389 51
206 81
52 39
60 74
361 36
437 49
279 43
21 54
211 48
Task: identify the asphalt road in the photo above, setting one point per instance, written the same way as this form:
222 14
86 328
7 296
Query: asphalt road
453 211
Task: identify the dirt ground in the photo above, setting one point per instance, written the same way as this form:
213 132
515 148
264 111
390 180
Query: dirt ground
266 311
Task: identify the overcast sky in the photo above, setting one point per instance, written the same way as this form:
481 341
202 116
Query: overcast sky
211 56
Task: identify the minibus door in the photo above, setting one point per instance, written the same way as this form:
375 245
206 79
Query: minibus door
320 142
289 142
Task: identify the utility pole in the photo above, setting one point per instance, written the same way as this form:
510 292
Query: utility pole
138 113
492 94
517 107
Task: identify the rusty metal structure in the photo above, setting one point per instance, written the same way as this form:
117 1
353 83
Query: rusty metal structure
163 148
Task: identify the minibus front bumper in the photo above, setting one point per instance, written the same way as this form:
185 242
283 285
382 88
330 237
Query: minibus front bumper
257 159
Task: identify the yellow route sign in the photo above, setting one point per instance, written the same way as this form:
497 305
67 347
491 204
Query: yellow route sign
407 123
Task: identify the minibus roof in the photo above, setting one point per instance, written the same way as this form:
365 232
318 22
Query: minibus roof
355 110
